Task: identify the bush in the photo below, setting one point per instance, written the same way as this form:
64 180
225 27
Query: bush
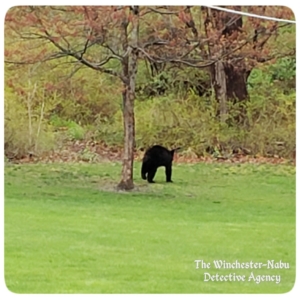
268 129
92 109
24 134
73 130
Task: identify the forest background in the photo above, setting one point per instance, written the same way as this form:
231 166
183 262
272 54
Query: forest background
86 84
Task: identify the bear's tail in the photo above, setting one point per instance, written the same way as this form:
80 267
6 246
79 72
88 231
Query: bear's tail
178 148
174 150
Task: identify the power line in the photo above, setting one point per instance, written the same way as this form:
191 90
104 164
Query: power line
249 14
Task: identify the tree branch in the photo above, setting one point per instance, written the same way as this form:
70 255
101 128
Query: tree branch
172 60
155 43
277 55
163 12
115 54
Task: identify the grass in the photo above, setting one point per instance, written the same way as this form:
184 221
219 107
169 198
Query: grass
68 231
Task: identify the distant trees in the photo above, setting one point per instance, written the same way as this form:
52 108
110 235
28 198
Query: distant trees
229 45
112 40
241 46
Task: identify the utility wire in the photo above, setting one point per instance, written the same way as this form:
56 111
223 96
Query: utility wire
249 14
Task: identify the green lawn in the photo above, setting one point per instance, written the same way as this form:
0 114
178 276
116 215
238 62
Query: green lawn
68 231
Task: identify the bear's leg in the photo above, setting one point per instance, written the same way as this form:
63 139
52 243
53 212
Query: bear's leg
144 170
151 174
169 172
144 175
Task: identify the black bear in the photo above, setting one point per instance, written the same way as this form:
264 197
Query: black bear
157 156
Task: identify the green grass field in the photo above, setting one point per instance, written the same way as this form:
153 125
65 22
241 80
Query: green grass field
68 231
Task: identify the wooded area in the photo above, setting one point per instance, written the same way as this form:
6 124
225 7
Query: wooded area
214 82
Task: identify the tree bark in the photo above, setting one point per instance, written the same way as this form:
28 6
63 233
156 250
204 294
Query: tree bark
129 71
236 83
230 84
220 87
229 81
126 182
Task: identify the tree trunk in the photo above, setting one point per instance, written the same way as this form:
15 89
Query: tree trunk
220 87
129 71
230 84
236 83
237 93
129 137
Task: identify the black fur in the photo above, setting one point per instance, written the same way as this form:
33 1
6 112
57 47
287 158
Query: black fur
157 156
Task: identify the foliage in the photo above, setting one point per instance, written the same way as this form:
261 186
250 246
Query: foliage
67 91
171 120
284 69
74 130
269 127
21 141
280 75
85 99
27 130
171 80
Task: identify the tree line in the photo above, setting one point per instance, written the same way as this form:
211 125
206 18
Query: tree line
113 40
